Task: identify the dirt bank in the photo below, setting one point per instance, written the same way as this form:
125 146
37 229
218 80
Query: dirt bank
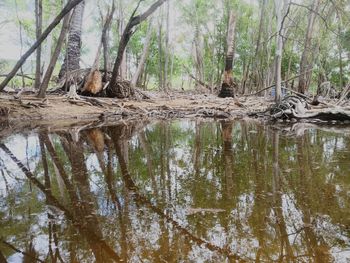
55 107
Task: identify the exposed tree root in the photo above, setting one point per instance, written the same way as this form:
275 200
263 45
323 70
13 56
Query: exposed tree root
294 107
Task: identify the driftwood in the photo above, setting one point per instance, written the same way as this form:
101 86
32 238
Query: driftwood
294 107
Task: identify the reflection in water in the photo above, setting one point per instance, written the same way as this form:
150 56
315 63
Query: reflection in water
175 191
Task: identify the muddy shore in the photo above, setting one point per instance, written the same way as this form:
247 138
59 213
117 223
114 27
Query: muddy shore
59 108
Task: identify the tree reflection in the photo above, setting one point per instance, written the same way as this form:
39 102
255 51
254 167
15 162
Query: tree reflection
182 191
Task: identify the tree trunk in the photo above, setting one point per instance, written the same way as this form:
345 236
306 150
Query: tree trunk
44 85
160 54
144 56
167 51
113 89
104 37
227 88
72 58
282 10
305 63
38 24
69 6
123 66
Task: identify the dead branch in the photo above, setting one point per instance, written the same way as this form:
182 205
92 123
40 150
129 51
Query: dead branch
269 87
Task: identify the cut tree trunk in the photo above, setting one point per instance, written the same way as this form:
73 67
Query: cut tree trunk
68 7
113 89
72 57
228 85
93 83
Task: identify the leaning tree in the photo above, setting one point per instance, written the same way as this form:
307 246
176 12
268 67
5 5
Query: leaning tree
115 89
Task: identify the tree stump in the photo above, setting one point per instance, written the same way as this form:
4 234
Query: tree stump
227 91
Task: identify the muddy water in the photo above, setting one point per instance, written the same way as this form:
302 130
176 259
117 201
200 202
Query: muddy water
177 191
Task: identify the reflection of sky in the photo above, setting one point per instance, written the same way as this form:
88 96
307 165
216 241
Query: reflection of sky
146 227
26 149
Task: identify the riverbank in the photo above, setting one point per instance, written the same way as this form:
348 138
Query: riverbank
174 105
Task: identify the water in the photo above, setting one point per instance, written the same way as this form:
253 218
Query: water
182 191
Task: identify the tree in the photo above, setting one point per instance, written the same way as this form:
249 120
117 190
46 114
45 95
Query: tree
305 62
227 87
144 55
282 8
115 90
72 58
45 83
38 22
68 7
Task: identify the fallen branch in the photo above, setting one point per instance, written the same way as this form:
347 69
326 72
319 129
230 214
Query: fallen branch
269 87
198 80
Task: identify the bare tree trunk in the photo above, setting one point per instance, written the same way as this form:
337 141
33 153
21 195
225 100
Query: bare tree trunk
305 63
261 26
160 54
69 6
144 55
340 50
115 90
279 50
227 88
72 58
282 10
38 23
44 85
104 37
167 51
123 65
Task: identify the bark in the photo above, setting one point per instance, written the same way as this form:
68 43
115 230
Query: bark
227 88
72 58
44 85
38 22
68 7
144 56
305 63
115 90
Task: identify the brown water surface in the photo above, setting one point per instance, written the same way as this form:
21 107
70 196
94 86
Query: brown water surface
181 191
